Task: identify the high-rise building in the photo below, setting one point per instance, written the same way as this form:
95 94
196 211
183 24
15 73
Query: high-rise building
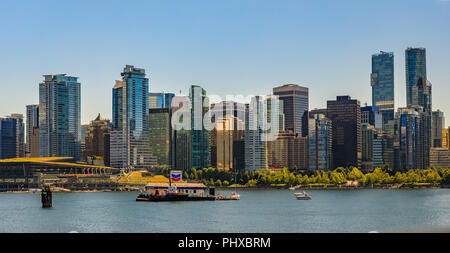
415 64
382 82
129 139
161 135
345 115
320 143
373 116
200 135
437 125
181 141
95 137
288 151
368 134
255 144
160 100
12 137
412 139
32 130
295 107
60 116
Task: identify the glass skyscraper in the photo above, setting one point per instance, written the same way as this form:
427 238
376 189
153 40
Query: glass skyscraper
129 141
415 60
200 136
382 82
11 137
60 116
160 100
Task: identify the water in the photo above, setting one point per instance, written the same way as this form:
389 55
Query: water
257 211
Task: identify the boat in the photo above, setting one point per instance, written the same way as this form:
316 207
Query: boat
292 188
302 195
235 196
34 190
156 192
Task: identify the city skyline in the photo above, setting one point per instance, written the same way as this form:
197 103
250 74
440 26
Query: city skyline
249 59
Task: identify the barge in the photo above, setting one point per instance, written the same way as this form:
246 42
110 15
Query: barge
156 192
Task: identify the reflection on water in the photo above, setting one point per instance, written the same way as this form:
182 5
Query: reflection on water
257 211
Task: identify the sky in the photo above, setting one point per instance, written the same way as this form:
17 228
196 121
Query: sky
232 47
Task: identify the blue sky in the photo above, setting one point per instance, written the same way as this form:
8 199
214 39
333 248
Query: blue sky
228 47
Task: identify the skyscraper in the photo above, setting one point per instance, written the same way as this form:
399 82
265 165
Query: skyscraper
12 136
255 144
129 140
200 136
382 82
295 107
60 116
345 115
437 125
413 150
320 142
161 135
415 64
32 126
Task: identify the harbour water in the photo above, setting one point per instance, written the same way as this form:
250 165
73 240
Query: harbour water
425 210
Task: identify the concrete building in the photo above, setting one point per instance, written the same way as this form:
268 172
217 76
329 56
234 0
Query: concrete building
440 157
437 125
320 142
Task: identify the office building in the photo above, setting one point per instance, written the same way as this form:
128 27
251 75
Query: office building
382 82
416 67
95 138
295 107
32 131
129 139
161 135
320 142
437 125
345 115
200 135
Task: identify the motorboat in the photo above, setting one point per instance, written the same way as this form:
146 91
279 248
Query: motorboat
302 195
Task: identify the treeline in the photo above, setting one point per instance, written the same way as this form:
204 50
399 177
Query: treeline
339 176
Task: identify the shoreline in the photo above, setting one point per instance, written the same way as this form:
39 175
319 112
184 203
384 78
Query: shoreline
256 188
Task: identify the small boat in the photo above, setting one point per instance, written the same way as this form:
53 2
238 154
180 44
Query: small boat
292 188
34 190
302 195
235 196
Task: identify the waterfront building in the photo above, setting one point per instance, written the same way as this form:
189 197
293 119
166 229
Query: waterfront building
440 157
437 125
320 142
107 149
9 139
295 107
200 135
378 151
224 142
368 133
60 116
255 144
415 64
288 151
95 137
161 135
32 130
412 139
382 82
181 155
84 129
130 133
345 115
